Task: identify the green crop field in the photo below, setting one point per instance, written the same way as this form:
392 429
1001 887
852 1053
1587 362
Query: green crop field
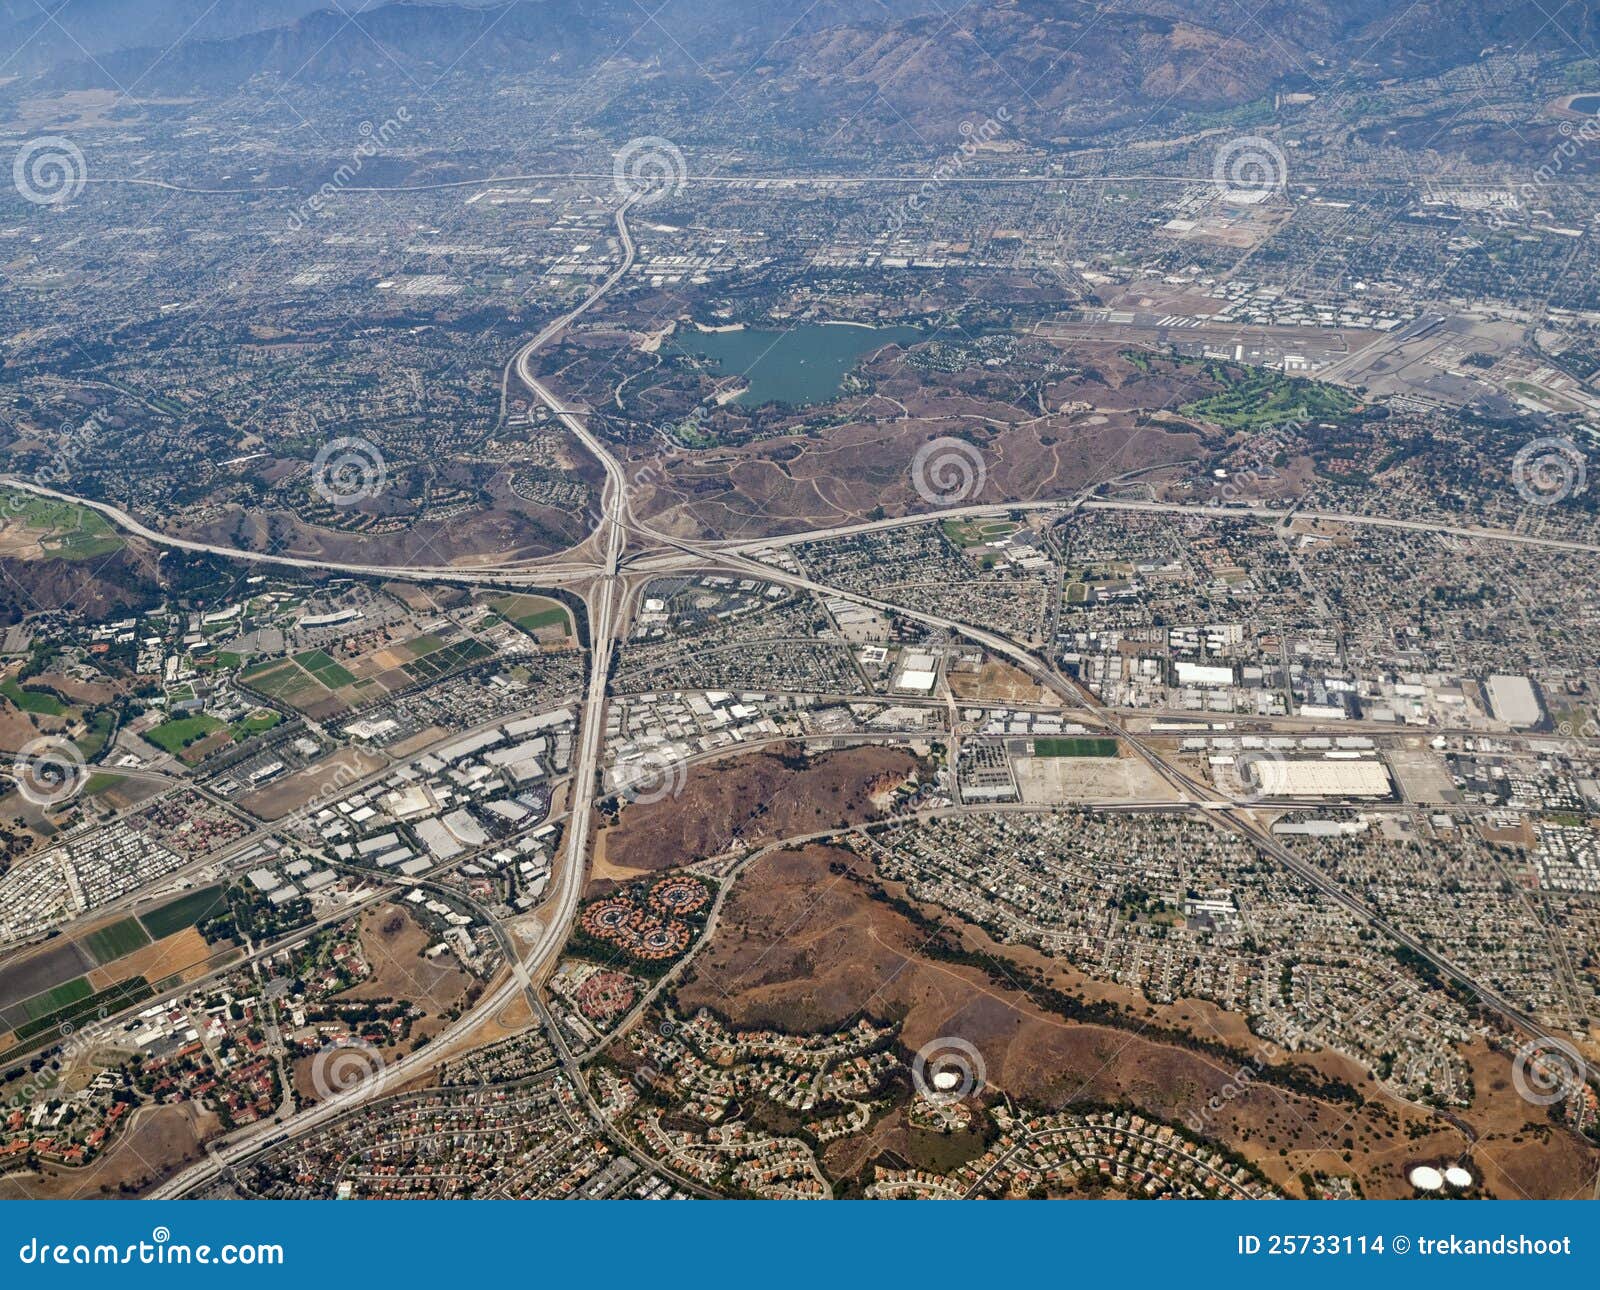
1075 746
532 612
121 937
122 995
420 646
56 998
324 668
256 671
444 661
281 679
185 911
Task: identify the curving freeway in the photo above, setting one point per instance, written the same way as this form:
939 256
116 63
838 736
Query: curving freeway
605 582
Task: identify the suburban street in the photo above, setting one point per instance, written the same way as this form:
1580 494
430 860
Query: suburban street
625 554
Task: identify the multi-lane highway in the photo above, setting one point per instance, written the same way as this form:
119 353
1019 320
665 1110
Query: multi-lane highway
603 599
598 570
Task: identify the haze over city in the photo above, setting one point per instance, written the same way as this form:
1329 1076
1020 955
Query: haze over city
886 600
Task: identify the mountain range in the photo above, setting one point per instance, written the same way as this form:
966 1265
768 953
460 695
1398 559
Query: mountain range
1065 65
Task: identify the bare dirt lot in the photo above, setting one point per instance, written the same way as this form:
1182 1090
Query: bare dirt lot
394 945
177 955
35 969
343 767
999 682
1048 781
750 800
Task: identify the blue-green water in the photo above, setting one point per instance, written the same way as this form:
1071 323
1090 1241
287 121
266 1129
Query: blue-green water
1586 103
804 364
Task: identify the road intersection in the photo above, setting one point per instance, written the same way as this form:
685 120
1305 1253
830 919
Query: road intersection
624 554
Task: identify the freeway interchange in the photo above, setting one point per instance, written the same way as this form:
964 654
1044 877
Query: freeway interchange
609 571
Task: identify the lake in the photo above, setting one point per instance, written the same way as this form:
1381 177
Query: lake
804 364
1588 104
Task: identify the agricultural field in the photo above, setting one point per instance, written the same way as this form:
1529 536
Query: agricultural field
66 1003
328 672
186 911
113 998
116 939
283 679
55 999
110 967
323 687
536 615
440 662
1075 746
